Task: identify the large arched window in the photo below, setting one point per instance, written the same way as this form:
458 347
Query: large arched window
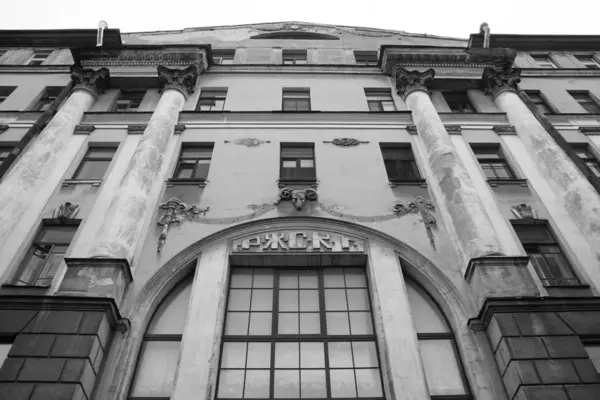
159 357
443 370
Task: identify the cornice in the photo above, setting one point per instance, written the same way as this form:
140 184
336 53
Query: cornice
146 56
574 119
34 69
350 69
559 72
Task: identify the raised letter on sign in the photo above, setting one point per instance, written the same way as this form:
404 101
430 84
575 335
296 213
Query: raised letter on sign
252 242
275 239
297 240
318 240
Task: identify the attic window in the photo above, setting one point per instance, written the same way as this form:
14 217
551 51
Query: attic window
295 35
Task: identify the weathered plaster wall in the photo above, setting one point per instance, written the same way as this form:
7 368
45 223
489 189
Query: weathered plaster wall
29 87
554 89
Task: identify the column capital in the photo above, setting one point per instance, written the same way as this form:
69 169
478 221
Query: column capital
94 81
499 80
411 81
182 80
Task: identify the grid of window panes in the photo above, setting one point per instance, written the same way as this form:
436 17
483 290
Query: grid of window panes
400 164
296 99
543 60
589 61
584 152
39 56
5 91
584 99
95 163
194 162
492 163
539 102
299 334
459 102
292 57
212 99
380 99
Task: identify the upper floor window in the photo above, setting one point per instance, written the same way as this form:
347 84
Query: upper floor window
585 100
45 255
459 102
291 57
400 163
585 153
95 163
296 99
297 161
6 91
366 57
4 350
545 253
593 350
194 161
589 61
539 101
380 99
543 60
129 100
50 94
39 56
4 152
223 56
492 162
212 99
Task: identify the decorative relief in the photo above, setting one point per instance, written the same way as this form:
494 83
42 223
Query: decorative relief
453 129
248 142
66 211
345 142
93 81
136 129
523 211
419 206
410 81
299 241
498 80
504 129
412 129
140 57
183 80
84 129
298 197
179 128
174 212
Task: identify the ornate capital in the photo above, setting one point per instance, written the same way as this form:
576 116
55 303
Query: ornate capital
183 80
498 80
411 81
94 82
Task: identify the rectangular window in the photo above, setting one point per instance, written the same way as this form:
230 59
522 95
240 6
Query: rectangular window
95 163
6 91
585 153
543 60
593 351
50 94
45 255
366 57
212 99
296 99
380 99
4 152
589 61
492 162
585 100
129 100
223 56
545 254
194 162
299 334
400 163
297 162
292 57
39 56
459 102
539 101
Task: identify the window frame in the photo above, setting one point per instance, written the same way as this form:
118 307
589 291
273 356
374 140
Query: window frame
546 63
375 97
192 145
589 61
540 101
369 58
282 159
216 94
223 56
134 98
5 92
590 99
294 57
414 166
461 99
590 158
489 161
289 91
46 98
36 59
87 157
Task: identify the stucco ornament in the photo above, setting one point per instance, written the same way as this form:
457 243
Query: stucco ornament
183 80
524 211
174 213
345 142
94 82
66 211
499 80
419 206
410 81
298 197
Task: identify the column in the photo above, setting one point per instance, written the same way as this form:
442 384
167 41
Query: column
25 190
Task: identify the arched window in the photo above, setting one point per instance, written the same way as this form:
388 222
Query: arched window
443 370
159 357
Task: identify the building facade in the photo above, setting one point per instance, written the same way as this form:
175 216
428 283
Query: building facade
291 210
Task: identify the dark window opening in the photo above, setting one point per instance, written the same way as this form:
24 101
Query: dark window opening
293 57
223 56
296 99
50 94
212 99
400 163
6 91
585 100
459 102
380 99
129 100
543 60
493 163
539 101
39 56
95 163
297 162
366 57
194 162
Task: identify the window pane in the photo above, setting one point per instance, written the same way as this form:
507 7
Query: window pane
92 169
202 167
155 376
358 299
58 234
257 384
365 354
309 300
237 323
231 384
441 367
259 355
342 383
308 279
289 163
425 314
288 300
263 278
101 152
241 278
360 323
239 300
340 355
196 152
312 355
4 349
287 355
312 384
337 323
307 163
184 170
355 277
368 382
262 300
288 323
333 277
260 323
288 279
287 384
234 355
310 323
170 316
335 300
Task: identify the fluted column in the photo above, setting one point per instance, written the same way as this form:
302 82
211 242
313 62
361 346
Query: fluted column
121 228
29 184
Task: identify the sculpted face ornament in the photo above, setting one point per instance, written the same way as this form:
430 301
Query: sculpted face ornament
524 211
298 197
65 211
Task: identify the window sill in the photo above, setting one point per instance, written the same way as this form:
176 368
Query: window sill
93 182
15 286
187 182
297 182
416 182
507 182
566 285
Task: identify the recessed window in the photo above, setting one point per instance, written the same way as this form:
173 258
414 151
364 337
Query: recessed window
212 99
380 99
543 60
292 57
585 100
299 334
297 162
459 102
589 61
223 56
5 152
194 162
50 94
545 253
4 350
585 153
366 57
400 163
39 56
45 255
95 163
593 351
6 91
539 101
129 100
296 99
493 163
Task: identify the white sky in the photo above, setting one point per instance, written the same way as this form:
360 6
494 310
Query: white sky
453 18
